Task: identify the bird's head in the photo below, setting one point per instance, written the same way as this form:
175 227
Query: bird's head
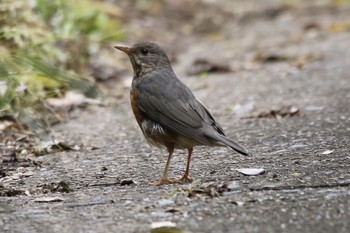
146 57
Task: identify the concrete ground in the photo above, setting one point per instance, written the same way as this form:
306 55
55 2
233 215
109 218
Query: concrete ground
295 59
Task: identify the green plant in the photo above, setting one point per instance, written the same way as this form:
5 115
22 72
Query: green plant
44 51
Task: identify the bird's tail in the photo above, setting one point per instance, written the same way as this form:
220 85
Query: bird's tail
234 145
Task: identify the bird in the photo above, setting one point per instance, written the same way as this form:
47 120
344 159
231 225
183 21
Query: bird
167 111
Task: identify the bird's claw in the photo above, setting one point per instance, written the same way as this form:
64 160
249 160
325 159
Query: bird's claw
184 179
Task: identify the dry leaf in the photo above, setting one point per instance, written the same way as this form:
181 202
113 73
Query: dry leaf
312 26
270 57
339 27
251 171
70 100
49 199
285 111
202 65
327 152
298 60
165 227
212 189
55 146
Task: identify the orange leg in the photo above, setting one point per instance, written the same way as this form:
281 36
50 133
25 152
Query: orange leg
165 179
186 177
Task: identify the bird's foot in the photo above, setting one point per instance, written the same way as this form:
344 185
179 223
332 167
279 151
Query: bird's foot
184 179
166 180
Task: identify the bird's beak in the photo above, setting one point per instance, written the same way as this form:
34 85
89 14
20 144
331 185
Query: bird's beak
126 50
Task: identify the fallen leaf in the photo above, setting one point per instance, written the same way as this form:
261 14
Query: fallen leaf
174 210
61 187
5 124
212 189
312 26
339 27
70 100
203 66
9 123
26 174
162 224
340 2
9 192
270 57
48 199
251 171
126 182
298 61
327 152
165 227
47 147
285 111
237 203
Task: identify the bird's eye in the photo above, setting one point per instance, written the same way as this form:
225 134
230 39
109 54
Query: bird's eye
144 51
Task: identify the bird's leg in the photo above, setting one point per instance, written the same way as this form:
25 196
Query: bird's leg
165 179
186 177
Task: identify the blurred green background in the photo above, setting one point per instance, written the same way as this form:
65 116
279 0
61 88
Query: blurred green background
45 50
48 48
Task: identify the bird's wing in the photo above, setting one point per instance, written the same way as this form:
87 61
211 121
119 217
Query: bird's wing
175 107
216 126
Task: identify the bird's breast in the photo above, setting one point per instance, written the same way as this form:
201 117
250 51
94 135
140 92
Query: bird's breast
134 94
